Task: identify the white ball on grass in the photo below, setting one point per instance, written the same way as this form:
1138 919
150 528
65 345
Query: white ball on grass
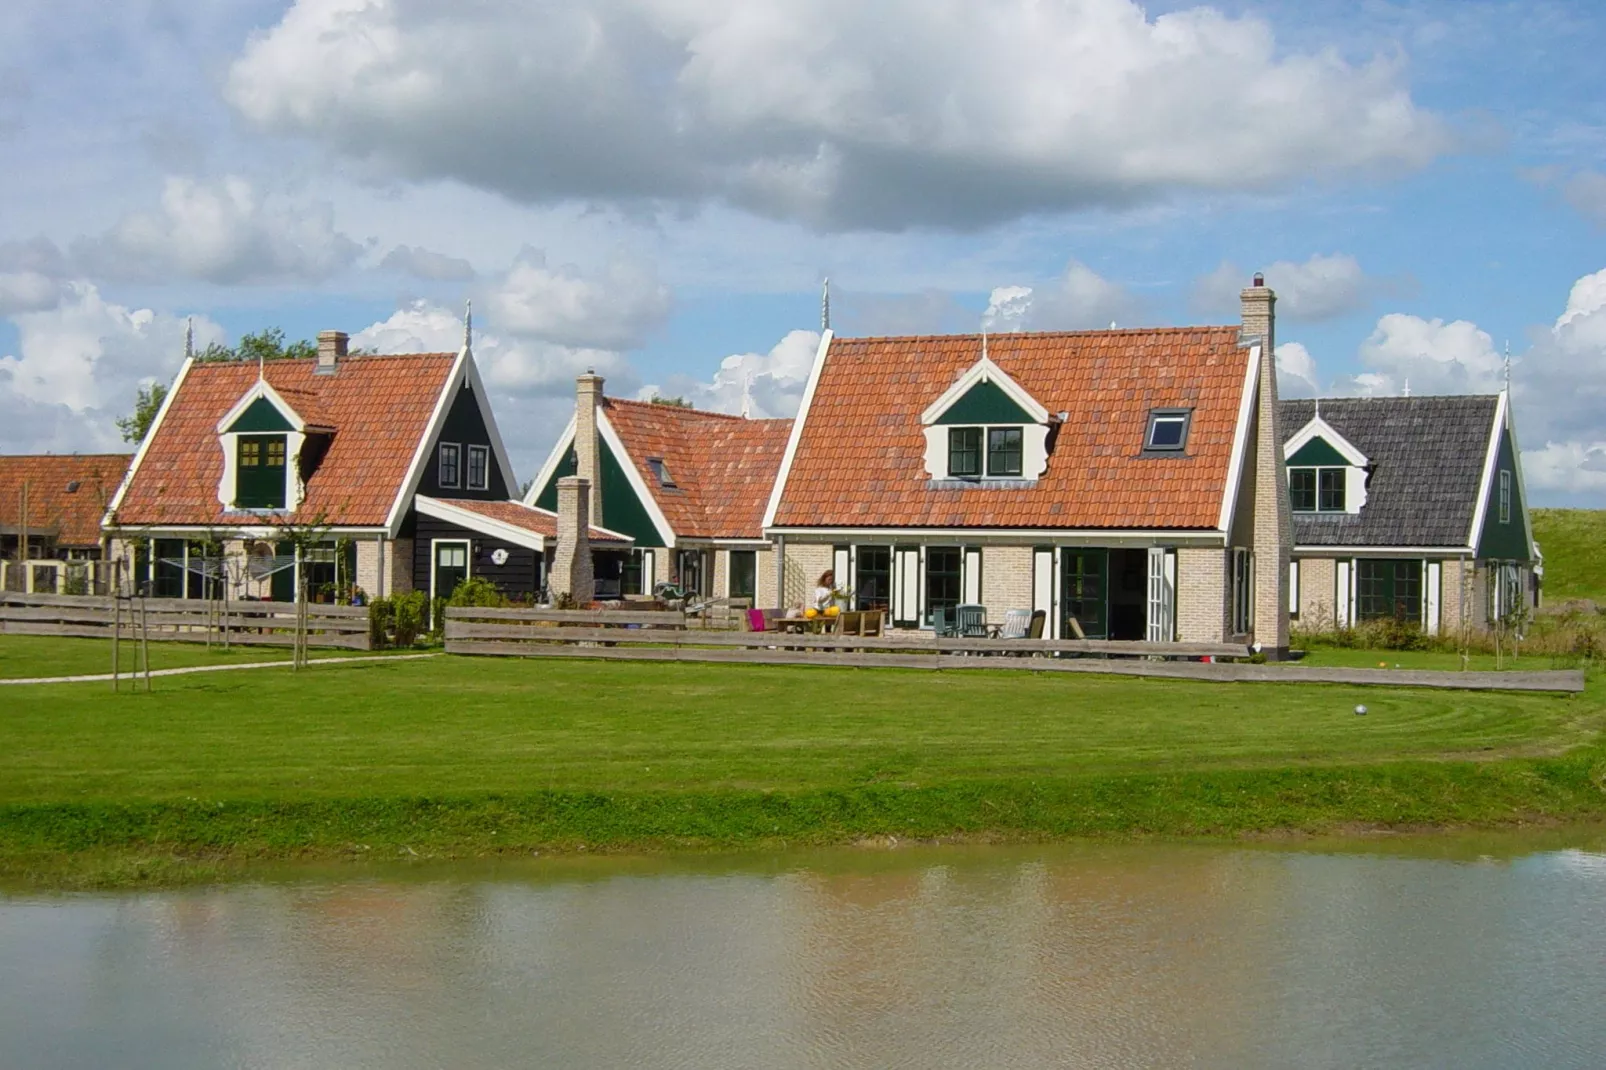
1360 711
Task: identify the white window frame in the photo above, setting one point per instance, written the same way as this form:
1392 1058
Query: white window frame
1159 416
1293 589
457 464
484 453
1162 600
1505 495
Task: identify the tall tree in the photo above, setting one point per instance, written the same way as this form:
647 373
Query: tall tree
146 404
266 344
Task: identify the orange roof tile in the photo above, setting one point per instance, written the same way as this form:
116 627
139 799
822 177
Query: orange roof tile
379 406
860 459
530 518
723 466
72 517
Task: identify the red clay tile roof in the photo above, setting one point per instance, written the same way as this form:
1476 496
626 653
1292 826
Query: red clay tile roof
380 408
860 460
72 517
723 466
528 517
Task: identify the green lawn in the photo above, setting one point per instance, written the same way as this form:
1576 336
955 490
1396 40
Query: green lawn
26 656
480 756
1574 545
1445 660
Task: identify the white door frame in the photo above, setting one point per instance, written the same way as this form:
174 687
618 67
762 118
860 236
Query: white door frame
434 560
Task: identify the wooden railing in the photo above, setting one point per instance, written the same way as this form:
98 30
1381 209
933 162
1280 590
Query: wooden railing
182 619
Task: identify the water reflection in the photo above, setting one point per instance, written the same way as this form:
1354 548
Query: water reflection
1113 957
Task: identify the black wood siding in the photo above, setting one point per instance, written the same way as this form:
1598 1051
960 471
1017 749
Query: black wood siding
520 577
465 427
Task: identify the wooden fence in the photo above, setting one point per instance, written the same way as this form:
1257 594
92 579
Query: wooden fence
183 619
660 636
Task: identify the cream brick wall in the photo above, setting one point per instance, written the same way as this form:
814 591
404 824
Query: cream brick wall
764 591
1201 594
804 563
1006 579
1317 597
721 575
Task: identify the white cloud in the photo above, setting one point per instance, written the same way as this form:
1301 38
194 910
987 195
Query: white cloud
822 111
1323 287
1296 372
1080 299
427 264
614 310
78 365
224 233
1434 356
772 382
27 291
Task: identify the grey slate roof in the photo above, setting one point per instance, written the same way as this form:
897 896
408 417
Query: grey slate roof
1428 455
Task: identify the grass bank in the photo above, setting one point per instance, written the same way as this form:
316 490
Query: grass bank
1574 545
456 757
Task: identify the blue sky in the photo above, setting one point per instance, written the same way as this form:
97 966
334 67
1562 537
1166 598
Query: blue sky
657 187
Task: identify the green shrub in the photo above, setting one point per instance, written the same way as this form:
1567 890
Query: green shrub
477 591
408 616
381 619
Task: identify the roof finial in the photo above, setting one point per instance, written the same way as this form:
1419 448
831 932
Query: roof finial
468 324
1318 408
747 395
1407 386
984 343
825 305
1508 366
189 337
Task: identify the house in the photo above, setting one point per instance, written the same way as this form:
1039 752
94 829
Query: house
1128 483
1410 508
687 487
388 470
54 503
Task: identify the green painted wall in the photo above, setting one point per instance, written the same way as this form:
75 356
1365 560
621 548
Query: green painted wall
985 403
1509 541
622 510
1318 451
261 415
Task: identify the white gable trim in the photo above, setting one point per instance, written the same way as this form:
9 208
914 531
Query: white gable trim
498 529
1491 464
984 371
550 465
415 470
1240 439
797 427
1320 428
628 463
1522 486
144 444
262 389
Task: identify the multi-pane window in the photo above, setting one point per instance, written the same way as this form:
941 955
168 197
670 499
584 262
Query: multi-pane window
1003 451
479 467
1505 496
259 472
743 573
943 589
1387 590
450 457
964 452
872 582
1317 490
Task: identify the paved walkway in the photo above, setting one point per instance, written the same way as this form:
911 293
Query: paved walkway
105 677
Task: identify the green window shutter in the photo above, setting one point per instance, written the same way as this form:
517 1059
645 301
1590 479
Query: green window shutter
259 472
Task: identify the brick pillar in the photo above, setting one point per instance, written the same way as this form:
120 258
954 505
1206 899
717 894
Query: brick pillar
587 443
571 561
1273 541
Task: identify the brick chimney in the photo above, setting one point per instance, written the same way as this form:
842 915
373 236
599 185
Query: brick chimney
331 350
1273 539
587 444
571 560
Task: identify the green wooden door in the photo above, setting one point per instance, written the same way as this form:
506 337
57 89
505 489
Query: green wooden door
1084 590
259 472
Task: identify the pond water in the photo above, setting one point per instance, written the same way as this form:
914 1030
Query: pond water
1443 953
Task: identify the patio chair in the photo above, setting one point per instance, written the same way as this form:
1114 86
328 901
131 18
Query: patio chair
971 622
1038 624
942 624
1016 621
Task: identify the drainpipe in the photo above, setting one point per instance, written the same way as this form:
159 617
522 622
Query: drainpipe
780 572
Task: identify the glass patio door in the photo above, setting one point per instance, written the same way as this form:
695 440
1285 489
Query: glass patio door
1084 579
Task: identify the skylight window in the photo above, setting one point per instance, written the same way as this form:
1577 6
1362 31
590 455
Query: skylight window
1168 431
660 471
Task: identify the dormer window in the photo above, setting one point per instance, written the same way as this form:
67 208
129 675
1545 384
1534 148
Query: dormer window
964 452
450 457
269 451
1317 490
660 472
1168 431
479 467
1003 452
985 427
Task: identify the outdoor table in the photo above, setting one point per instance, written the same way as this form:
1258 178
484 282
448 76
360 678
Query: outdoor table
801 625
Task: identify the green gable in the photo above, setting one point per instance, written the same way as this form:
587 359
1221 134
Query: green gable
1508 541
261 415
622 511
985 403
1318 452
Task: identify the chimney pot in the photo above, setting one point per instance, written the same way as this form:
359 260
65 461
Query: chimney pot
331 349
1260 280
